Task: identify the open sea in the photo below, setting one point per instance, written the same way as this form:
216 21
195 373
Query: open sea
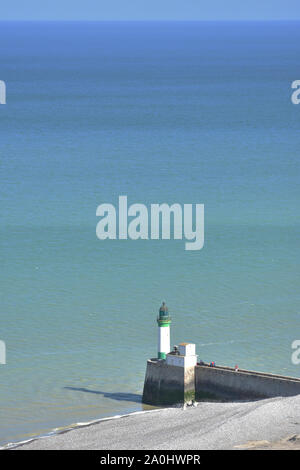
160 112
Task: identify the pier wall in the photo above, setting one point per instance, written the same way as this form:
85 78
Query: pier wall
225 383
167 384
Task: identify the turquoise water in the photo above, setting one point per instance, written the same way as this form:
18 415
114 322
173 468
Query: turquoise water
162 112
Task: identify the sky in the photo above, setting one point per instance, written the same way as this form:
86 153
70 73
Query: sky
150 10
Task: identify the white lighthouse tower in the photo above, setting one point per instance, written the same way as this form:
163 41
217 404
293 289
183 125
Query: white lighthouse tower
164 321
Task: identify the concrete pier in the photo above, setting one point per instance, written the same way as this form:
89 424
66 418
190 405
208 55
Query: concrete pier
167 384
225 383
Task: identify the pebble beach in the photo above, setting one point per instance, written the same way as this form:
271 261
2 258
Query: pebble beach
272 423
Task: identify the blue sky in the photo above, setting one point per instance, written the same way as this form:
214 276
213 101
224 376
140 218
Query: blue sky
150 9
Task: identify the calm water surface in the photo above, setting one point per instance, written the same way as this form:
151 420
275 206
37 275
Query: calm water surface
162 112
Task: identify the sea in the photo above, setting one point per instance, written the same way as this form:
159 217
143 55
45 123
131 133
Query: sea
163 112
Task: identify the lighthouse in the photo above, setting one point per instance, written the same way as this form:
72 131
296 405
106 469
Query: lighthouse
170 378
164 321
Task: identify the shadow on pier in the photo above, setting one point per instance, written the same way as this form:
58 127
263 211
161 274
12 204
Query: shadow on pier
119 396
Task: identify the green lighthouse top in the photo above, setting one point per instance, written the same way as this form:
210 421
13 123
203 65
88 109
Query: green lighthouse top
163 318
